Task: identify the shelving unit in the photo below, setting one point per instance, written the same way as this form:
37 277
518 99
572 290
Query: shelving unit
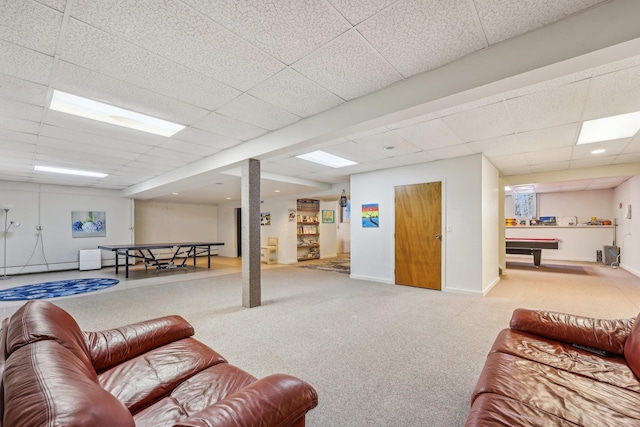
308 241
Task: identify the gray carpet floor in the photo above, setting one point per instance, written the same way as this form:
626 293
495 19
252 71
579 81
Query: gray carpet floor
378 354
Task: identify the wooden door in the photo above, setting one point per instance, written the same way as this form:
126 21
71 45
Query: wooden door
418 240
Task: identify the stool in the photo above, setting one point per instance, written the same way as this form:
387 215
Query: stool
268 250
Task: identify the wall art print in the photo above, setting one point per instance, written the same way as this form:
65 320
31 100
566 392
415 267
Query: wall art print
328 216
370 215
265 218
88 224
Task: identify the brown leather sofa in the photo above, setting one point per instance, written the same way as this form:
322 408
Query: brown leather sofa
151 373
555 369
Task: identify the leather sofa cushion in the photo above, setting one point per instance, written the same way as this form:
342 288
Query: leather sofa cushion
610 369
632 348
495 410
141 381
47 385
113 346
607 335
565 395
198 392
40 321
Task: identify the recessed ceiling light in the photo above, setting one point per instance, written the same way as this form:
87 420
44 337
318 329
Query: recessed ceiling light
598 151
90 109
276 191
326 159
70 171
228 198
175 194
608 128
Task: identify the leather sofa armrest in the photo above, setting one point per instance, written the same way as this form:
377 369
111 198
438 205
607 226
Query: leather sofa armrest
599 334
277 400
113 346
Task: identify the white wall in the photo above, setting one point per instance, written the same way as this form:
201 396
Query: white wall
328 231
372 249
53 248
628 231
490 226
157 222
281 228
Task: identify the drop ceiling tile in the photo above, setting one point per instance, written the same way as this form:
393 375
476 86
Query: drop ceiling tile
92 140
189 147
592 162
323 177
549 156
19 125
21 90
260 113
413 121
508 19
54 4
180 156
24 63
293 168
387 163
207 139
460 108
515 170
8 147
89 84
415 158
348 67
549 84
549 138
420 35
71 160
99 151
156 164
354 152
20 110
87 47
512 160
356 12
286 29
627 158
614 147
500 146
295 93
18 20
484 122
548 108
227 126
183 34
452 151
365 133
389 144
429 135
299 165
21 137
613 93
67 121
612 67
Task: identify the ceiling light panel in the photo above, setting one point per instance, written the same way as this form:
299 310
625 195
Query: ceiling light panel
94 110
609 128
64 171
327 159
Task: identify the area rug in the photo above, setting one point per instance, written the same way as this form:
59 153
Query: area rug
60 288
340 265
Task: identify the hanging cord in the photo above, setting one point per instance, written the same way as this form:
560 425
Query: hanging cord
38 239
616 263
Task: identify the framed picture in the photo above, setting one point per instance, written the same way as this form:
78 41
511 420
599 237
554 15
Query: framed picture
370 218
265 218
327 216
88 224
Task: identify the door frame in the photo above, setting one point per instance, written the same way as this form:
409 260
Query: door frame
443 226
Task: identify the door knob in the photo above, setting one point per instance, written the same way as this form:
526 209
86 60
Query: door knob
438 236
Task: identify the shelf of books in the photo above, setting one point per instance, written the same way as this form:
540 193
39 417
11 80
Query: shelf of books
308 242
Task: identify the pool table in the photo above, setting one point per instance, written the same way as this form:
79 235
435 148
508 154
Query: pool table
530 246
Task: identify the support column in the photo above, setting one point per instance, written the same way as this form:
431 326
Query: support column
251 281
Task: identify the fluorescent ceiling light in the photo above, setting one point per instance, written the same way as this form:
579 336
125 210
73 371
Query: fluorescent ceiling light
326 159
70 171
89 109
608 128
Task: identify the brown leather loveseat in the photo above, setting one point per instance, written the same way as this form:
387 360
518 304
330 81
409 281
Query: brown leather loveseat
151 373
556 369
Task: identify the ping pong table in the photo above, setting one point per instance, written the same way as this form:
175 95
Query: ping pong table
181 252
